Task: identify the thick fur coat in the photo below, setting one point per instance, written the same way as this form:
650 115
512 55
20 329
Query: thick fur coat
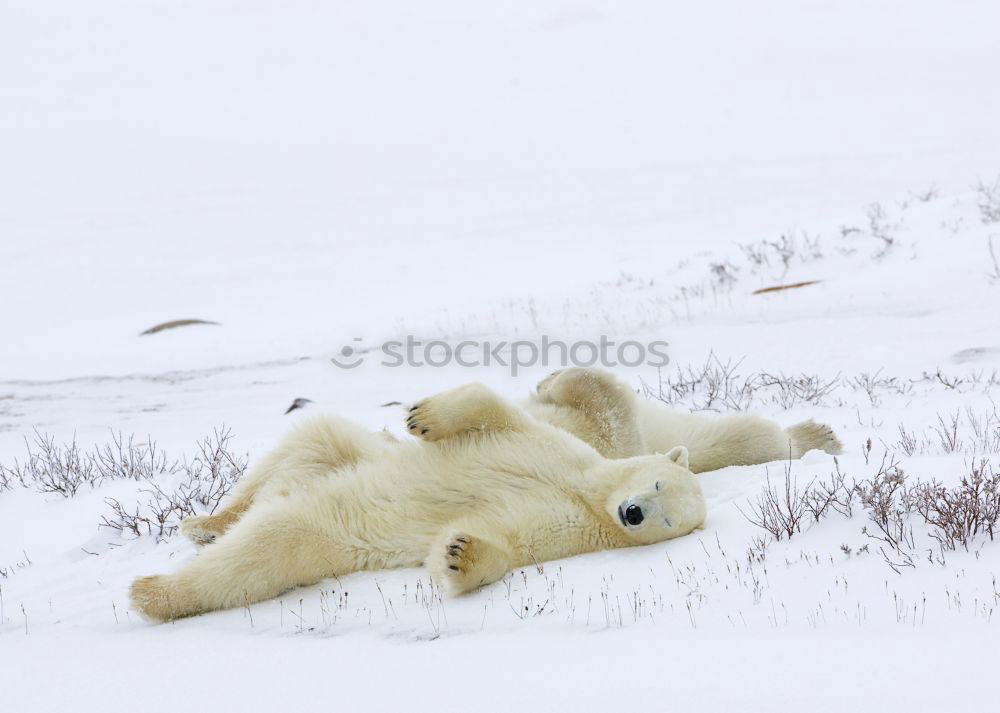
490 486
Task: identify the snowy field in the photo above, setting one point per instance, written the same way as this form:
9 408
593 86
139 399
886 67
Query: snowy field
311 176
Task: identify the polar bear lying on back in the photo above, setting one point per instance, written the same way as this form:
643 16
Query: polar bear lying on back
607 414
493 487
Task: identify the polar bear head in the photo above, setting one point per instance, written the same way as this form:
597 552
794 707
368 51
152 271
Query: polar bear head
658 498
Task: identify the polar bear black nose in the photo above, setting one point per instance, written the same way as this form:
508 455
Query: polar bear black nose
633 514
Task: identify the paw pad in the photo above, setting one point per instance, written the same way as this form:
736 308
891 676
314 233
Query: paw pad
456 552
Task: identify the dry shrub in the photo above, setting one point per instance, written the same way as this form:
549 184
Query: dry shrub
779 512
197 485
64 468
205 480
957 515
888 503
988 200
953 517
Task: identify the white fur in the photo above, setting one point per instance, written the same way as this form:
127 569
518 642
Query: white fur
491 488
599 409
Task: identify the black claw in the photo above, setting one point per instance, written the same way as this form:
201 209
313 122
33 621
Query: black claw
424 431
413 408
413 428
453 568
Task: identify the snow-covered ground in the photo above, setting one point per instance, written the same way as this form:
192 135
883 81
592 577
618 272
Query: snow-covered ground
313 174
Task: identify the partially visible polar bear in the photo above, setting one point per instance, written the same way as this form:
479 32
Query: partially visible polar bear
490 489
494 487
607 414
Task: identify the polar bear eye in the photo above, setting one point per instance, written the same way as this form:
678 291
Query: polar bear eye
659 484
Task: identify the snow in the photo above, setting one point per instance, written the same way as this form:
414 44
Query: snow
311 174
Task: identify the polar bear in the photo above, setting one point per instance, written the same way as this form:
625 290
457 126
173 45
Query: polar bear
487 488
601 410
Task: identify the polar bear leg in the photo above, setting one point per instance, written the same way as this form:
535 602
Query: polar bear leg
313 449
476 550
603 410
472 408
735 439
269 551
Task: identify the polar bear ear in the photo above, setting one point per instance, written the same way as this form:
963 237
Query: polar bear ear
679 455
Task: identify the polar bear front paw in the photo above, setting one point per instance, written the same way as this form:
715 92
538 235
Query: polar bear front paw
462 563
809 435
424 422
458 553
468 408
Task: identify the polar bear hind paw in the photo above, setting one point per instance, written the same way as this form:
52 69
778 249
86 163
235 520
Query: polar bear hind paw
156 599
196 529
545 385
